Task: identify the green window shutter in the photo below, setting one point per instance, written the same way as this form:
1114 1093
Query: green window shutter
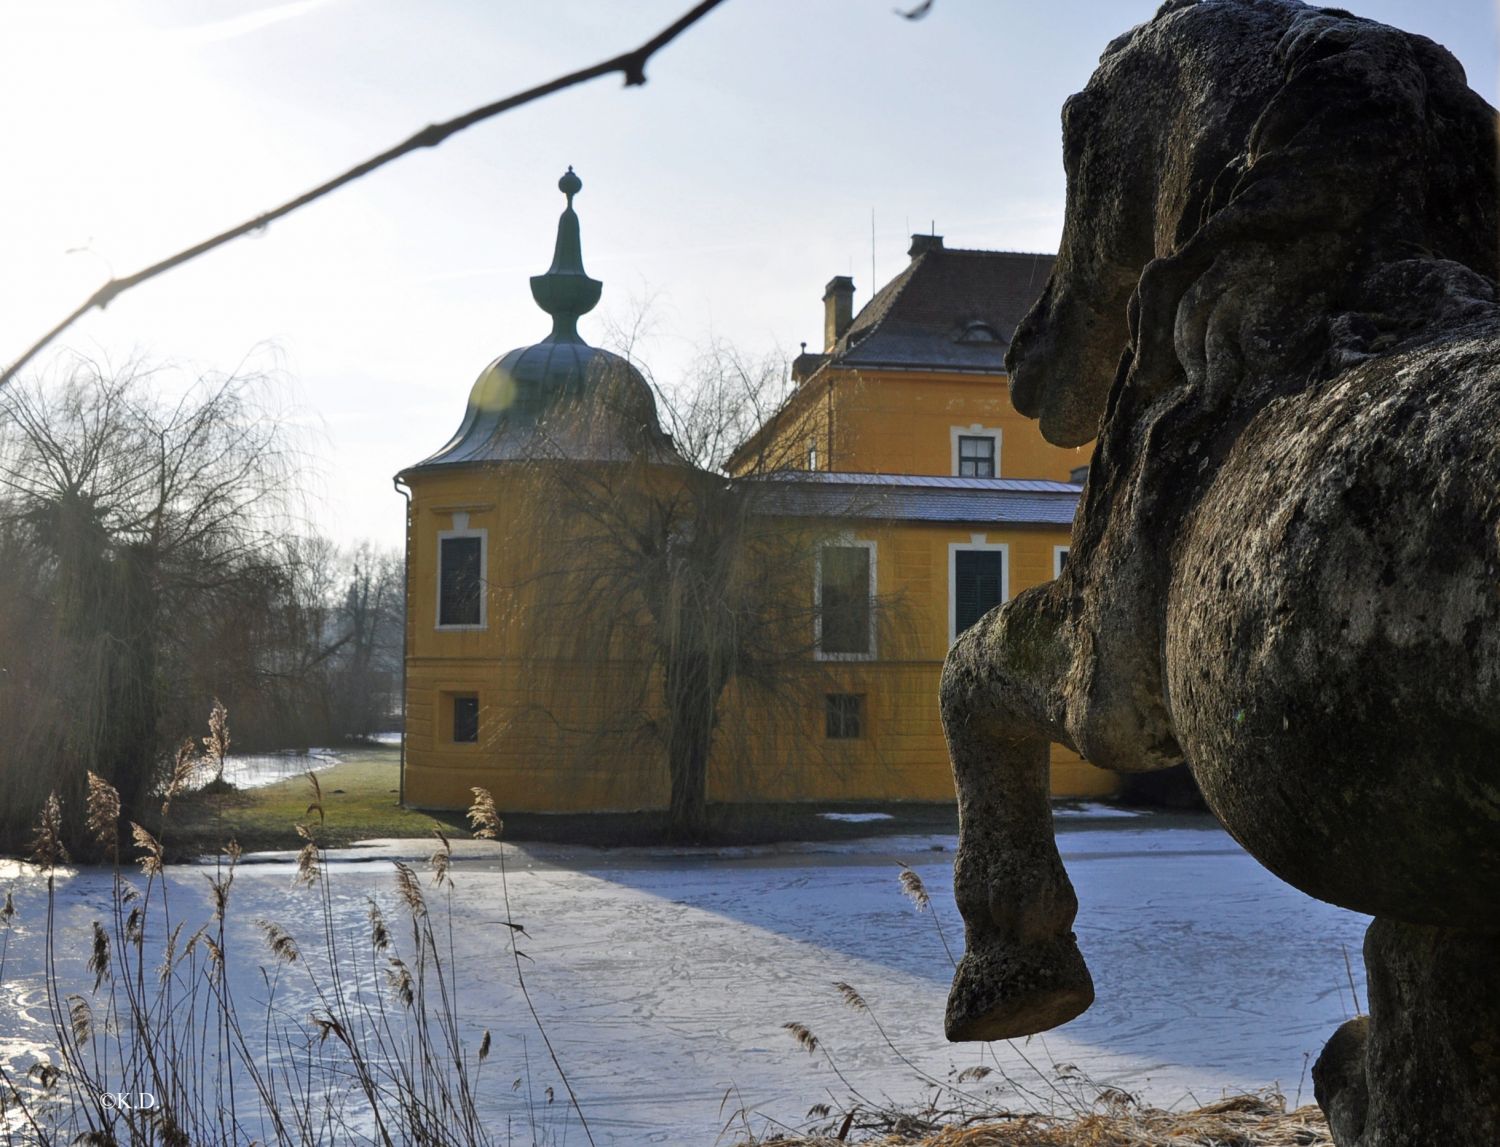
978 585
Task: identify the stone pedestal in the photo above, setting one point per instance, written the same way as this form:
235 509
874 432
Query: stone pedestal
1423 1068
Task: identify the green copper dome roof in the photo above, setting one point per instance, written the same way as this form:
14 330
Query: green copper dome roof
560 398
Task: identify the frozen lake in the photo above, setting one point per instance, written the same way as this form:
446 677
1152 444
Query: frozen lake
664 976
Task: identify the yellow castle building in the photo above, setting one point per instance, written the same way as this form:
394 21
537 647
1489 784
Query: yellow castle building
905 495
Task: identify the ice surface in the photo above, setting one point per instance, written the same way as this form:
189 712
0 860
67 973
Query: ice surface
664 975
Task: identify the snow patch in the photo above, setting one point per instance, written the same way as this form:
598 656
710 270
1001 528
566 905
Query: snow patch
856 817
1095 810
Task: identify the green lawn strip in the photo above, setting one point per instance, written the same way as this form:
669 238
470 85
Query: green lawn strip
734 824
359 803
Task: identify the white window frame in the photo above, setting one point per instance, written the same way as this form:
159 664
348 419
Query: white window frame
973 431
484 565
1058 553
976 542
842 543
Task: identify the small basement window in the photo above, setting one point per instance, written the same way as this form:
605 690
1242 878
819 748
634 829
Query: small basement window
465 718
844 716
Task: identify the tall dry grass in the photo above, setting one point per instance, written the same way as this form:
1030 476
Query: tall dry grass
308 1038
987 1105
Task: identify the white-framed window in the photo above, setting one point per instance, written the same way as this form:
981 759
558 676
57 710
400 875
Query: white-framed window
978 580
812 453
462 559
976 451
844 602
1059 560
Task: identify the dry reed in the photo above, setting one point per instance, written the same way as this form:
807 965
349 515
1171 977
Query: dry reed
103 823
1259 1120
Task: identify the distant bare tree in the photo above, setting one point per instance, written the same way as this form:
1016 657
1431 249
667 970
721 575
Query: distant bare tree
370 618
723 397
312 654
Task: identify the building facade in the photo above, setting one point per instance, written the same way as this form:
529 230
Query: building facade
952 502
919 497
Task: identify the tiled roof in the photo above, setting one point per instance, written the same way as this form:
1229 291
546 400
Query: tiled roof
949 308
922 498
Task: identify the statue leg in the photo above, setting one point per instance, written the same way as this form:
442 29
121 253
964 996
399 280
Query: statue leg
1424 1067
1021 971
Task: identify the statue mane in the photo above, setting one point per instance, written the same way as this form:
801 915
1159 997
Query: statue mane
1359 212
1259 190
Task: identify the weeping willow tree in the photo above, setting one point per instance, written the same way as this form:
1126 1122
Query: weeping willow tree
127 521
681 600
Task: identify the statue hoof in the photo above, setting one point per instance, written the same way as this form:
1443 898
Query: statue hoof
1003 990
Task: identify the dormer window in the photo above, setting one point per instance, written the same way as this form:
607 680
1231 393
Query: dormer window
978 331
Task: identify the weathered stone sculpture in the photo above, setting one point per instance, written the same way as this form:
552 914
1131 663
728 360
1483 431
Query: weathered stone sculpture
1275 306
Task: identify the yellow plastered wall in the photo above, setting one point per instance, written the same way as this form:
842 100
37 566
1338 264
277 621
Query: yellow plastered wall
549 735
901 754
551 738
907 422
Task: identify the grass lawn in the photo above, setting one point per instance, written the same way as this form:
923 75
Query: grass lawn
359 802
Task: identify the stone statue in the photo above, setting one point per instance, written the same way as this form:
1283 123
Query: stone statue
1275 307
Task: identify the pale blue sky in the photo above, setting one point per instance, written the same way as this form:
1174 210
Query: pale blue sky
730 187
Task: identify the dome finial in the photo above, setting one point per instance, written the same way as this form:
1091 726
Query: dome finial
566 291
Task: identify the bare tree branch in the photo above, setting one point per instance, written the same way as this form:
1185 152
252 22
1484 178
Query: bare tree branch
631 64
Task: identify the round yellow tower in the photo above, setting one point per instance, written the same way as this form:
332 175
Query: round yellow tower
484 538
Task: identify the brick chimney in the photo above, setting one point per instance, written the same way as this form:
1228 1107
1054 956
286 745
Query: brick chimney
838 310
921 244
